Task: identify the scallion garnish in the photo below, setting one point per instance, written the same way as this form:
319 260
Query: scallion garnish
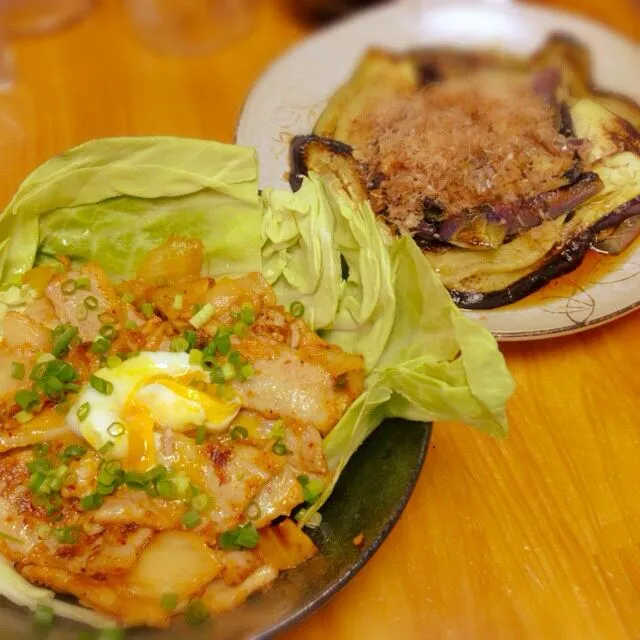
311 489
83 411
113 362
73 452
101 385
91 303
169 601
239 433
245 371
17 370
202 316
67 535
240 329
63 339
280 448
130 325
108 331
252 511
176 305
245 536
147 309
68 287
128 297
201 434
82 282
196 612
91 502
107 318
195 357
201 502
100 345
191 519
179 345
22 417
26 399
115 429
43 615
297 309
228 372
166 488
248 314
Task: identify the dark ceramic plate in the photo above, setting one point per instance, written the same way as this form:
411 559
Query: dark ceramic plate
369 498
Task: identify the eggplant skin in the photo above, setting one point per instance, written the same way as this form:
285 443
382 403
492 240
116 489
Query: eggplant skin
302 147
564 261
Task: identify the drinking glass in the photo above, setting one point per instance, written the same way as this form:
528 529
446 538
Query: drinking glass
190 26
28 17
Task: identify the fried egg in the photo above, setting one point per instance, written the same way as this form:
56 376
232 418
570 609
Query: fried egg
151 391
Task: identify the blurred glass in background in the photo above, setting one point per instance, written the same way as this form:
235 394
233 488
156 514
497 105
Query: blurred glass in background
187 27
27 17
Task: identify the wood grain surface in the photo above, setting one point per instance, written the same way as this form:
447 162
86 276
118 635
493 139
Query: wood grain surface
534 537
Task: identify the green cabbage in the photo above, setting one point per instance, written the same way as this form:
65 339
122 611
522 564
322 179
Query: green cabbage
114 199
425 360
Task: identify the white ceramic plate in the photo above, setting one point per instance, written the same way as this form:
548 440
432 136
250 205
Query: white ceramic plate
292 93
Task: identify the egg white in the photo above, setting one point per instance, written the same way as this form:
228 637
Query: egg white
139 380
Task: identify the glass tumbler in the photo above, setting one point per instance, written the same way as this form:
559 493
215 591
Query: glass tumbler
186 27
28 17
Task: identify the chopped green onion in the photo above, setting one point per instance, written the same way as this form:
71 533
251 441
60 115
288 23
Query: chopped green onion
113 362
73 452
280 448
216 375
195 357
228 371
179 345
147 309
83 411
68 287
223 344
239 433
201 502
41 449
202 316
66 535
169 601
26 399
311 489
297 309
191 519
130 325
115 429
63 340
17 370
201 434
106 447
196 612
101 385
245 371
240 329
91 302
191 337
248 314
159 472
253 512
81 313
166 488
100 345
39 465
108 331
107 318
128 297
22 417
135 479
244 536
82 283
177 302
53 503
38 371
43 615
91 502
236 358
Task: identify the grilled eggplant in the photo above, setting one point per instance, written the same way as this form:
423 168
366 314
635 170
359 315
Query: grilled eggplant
499 251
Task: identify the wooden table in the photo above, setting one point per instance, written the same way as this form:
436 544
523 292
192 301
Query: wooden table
535 537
